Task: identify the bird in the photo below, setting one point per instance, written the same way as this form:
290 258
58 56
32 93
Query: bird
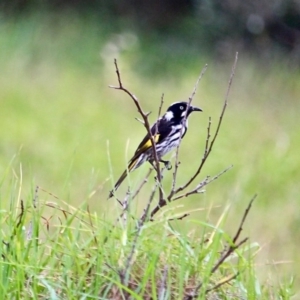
167 133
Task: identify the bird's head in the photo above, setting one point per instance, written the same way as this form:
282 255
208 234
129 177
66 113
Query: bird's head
178 110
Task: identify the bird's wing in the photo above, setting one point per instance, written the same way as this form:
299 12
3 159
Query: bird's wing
159 132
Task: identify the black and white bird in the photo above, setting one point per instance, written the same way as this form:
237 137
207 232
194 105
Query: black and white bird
167 133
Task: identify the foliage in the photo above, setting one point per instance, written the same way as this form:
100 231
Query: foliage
51 250
258 27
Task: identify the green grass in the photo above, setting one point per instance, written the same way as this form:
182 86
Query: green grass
74 254
59 120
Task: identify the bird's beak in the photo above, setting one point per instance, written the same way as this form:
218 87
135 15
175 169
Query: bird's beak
195 108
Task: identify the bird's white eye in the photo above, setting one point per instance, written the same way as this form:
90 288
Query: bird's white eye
181 107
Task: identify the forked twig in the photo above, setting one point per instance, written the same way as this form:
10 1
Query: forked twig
143 115
244 219
233 246
162 202
124 273
209 145
145 180
177 148
150 200
201 185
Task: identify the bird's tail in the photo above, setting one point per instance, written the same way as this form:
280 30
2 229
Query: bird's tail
131 167
118 183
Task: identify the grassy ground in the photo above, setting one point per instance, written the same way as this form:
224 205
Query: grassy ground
59 120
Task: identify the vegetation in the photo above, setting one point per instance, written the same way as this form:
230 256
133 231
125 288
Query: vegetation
65 131
257 27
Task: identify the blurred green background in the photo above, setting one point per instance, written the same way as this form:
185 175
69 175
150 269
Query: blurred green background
63 129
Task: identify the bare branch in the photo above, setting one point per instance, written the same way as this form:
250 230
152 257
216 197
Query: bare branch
222 282
156 130
161 203
202 184
180 218
226 254
177 149
197 190
209 146
143 115
126 270
142 183
147 209
124 273
160 106
243 219
207 137
125 205
232 247
141 121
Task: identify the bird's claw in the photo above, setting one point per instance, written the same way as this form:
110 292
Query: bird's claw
168 165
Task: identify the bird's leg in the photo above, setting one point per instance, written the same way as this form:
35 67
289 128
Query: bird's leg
167 164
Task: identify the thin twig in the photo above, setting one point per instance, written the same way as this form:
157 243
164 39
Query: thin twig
125 205
180 218
161 204
207 136
124 273
230 250
147 209
145 180
144 117
216 286
202 184
222 282
160 106
156 130
177 149
244 218
197 190
232 247
209 148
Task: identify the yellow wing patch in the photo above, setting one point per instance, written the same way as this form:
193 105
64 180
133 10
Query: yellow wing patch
148 143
